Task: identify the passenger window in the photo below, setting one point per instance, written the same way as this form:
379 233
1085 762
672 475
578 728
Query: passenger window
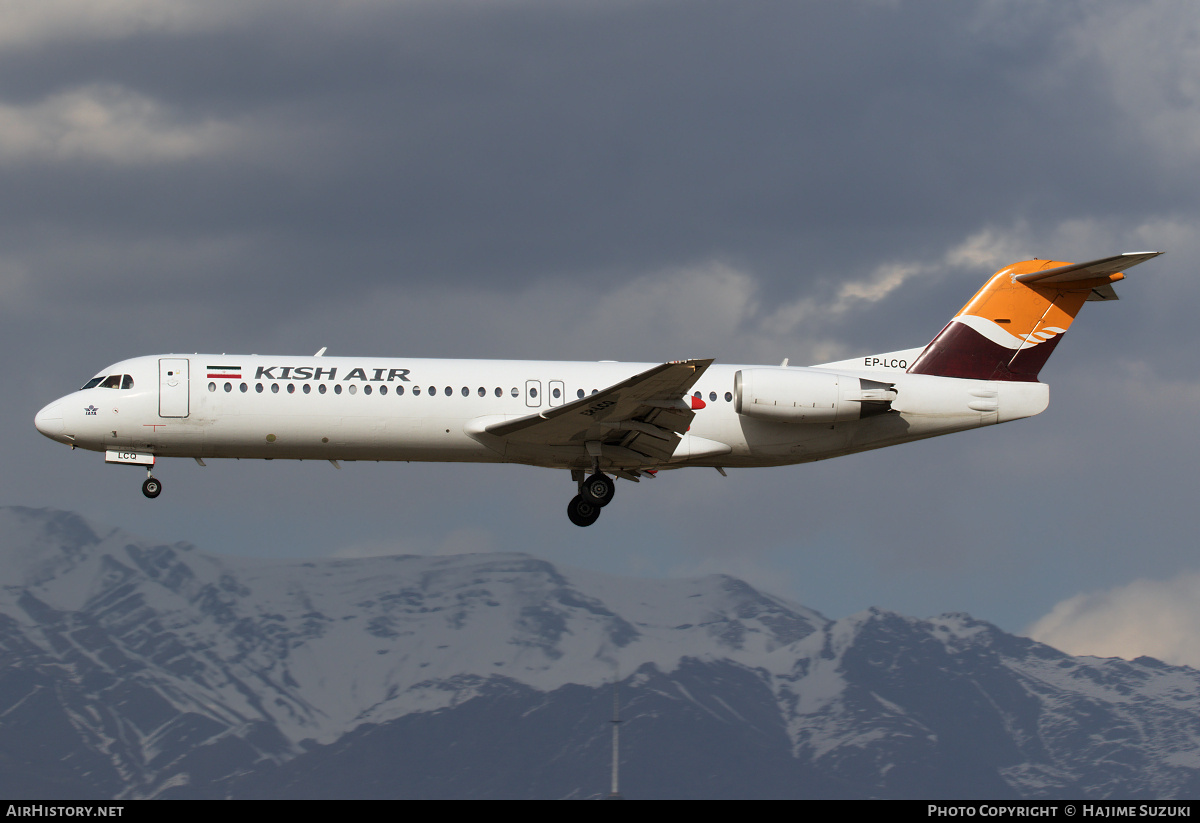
728 396
482 391
432 391
466 391
337 389
321 388
515 393
557 393
712 395
383 389
291 388
243 387
258 388
449 391
228 387
127 381
367 389
416 389
307 389
499 392
274 388
353 389
212 386
399 390
579 394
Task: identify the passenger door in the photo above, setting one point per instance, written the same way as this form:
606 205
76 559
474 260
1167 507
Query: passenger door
173 387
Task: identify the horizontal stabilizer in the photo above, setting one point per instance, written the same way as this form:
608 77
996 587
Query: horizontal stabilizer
1104 267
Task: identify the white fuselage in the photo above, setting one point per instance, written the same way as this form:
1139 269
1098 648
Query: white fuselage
362 408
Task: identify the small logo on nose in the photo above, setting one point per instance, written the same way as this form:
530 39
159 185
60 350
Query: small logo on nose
90 410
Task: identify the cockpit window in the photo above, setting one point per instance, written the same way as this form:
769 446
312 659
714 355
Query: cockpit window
112 381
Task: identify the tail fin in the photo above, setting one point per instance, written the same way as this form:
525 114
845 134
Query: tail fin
1010 327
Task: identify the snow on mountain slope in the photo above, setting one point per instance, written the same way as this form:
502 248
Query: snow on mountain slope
322 646
136 669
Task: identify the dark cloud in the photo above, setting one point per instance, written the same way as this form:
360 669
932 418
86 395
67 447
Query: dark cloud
467 142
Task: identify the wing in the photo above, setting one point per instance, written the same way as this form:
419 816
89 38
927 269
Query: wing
637 422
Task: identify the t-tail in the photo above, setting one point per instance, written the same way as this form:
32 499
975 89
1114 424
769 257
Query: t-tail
1010 327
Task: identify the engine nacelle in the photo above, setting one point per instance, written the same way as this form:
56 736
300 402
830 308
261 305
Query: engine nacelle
808 395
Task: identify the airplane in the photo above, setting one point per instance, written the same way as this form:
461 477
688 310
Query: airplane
599 420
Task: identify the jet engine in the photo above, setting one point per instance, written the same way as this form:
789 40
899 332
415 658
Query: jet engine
809 396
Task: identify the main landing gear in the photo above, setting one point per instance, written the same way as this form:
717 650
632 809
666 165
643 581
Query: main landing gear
595 493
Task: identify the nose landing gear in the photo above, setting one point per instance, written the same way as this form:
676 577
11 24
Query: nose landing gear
151 487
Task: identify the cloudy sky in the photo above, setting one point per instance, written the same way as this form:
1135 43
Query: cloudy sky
630 180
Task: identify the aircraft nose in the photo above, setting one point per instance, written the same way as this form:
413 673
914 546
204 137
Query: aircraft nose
49 421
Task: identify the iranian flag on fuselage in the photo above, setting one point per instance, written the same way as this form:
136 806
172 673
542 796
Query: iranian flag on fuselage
225 372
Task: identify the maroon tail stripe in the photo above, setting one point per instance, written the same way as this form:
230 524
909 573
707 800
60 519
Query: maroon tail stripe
960 351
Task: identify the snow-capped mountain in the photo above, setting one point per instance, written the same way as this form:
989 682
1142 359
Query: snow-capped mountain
129 669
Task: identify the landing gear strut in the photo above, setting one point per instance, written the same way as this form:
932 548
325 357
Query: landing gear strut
151 487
